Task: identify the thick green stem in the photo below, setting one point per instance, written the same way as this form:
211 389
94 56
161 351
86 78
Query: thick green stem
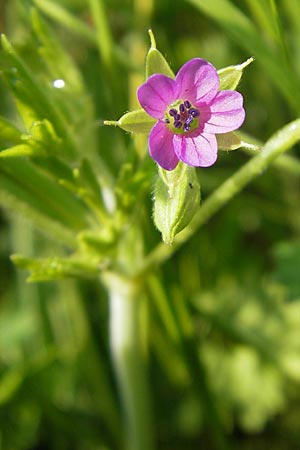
282 141
129 361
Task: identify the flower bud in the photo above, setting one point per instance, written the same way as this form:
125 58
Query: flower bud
176 199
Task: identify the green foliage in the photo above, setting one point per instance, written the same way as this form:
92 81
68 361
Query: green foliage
219 315
287 257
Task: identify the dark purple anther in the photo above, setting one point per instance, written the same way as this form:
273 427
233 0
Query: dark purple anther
194 112
178 124
187 104
173 112
186 127
181 108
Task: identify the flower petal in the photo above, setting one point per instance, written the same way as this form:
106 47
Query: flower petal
224 114
156 95
197 81
196 150
161 146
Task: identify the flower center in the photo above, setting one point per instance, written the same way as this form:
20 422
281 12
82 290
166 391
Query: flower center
182 117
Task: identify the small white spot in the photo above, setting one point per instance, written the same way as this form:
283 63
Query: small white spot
58 84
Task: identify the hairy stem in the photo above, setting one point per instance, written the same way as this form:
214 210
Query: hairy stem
280 142
129 361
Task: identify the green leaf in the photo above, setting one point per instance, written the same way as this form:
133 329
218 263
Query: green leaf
34 99
131 184
155 62
40 140
46 269
89 179
20 150
230 76
48 205
176 199
43 136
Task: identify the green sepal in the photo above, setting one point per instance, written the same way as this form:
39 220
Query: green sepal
228 141
45 269
233 141
230 76
155 61
176 199
137 121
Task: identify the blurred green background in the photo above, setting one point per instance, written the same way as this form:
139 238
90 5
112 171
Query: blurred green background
236 282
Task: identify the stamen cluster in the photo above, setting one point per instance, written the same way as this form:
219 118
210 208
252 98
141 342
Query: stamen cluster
184 116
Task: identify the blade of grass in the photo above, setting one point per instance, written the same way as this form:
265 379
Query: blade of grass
68 20
245 34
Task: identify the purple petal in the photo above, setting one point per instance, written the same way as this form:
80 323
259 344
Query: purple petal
224 114
161 146
197 81
200 150
156 95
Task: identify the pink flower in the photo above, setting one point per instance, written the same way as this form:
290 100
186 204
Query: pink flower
190 110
